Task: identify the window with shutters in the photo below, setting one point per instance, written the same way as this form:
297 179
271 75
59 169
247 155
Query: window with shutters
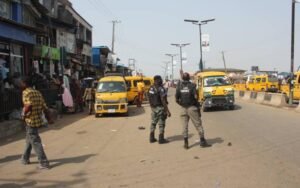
5 9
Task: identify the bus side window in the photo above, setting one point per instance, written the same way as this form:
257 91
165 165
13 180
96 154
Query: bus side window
128 83
298 79
264 80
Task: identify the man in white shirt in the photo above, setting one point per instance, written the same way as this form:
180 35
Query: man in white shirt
167 84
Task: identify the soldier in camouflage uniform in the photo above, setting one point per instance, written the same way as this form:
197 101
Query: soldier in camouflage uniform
159 106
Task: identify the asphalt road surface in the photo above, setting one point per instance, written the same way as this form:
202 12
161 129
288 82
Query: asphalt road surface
252 146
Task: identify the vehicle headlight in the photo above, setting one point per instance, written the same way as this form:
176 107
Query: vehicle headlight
207 94
123 100
229 91
207 89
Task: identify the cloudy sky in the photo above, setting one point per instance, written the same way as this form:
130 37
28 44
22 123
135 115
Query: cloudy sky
251 32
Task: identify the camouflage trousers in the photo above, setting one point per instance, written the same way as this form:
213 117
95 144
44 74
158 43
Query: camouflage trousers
159 117
194 114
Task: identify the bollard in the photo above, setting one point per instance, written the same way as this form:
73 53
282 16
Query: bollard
274 99
247 95
260 97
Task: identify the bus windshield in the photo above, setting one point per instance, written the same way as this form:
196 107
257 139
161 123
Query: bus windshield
273 79
216 81
111 87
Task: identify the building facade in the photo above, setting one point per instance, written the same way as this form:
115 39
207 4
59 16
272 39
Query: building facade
48 35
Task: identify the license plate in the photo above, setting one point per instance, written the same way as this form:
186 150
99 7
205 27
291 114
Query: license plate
111 110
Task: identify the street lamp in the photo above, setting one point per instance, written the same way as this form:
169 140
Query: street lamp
166 68
180 47
292 51
200 23
172 63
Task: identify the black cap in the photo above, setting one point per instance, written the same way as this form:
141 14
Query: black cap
157 77
186 76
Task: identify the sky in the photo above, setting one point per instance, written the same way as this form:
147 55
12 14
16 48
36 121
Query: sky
250 32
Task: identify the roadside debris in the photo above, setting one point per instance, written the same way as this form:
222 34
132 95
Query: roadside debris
141 128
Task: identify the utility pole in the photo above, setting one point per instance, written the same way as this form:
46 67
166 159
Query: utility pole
166 68
224 61
172 64
200 23
180 47
292 52
113 35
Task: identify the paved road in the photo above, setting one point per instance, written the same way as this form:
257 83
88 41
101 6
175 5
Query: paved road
113 152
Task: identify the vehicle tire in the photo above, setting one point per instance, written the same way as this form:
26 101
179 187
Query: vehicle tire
97 115
126 114
231 107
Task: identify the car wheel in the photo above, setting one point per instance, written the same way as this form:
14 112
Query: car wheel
97 115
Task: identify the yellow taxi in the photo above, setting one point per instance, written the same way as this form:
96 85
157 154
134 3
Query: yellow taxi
263 83
285 88
131 82
215 89
111 96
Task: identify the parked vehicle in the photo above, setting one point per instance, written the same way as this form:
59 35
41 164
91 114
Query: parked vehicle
111 96
263 83
285 88
131 82
215 89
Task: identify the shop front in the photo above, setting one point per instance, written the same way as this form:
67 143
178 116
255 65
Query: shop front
16 45
47 60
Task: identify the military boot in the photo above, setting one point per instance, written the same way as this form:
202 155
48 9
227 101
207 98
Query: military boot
186 143
152 138
162 140
203 143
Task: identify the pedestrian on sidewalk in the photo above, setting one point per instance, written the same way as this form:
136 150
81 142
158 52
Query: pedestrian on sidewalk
34 107
187 97
159 107
89 96
167 85
58 86
141 89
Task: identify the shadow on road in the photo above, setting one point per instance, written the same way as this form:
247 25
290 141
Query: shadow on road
222 109
10 158
79 159
136 111
178 137
21 183
58 125
210 141
14 185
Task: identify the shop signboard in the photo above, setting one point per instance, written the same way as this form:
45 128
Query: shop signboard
66 40
50 53
86 50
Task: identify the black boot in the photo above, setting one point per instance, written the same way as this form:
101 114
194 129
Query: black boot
152 138
186 143
162 140
203 143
